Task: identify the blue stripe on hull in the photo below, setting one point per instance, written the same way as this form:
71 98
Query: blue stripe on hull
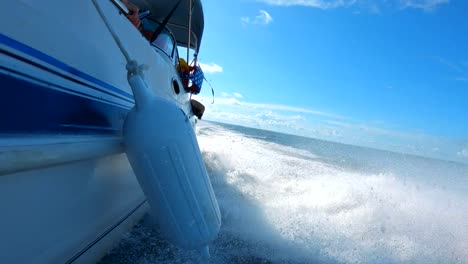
32 107
100 85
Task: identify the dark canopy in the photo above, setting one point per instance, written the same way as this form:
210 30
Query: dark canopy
178 23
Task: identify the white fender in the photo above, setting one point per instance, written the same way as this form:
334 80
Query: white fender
163 151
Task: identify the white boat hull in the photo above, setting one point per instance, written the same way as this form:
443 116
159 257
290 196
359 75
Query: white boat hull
59 214
66 187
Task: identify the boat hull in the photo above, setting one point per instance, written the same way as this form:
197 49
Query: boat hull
57 214
66 188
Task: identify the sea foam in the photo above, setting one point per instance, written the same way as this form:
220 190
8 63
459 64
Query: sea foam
286 199
299 207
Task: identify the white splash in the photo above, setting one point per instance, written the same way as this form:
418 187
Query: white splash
292 205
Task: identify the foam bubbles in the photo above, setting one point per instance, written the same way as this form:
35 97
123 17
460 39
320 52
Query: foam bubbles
304 209
281 204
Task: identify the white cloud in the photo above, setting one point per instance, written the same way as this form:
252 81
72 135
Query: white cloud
234 101
328 126
416 143
281 118
458 68
463 153
274 120
263 18
373 6
245 20
462 79
448 64
426 5
230 100
323 4
211 68
264 120
366 128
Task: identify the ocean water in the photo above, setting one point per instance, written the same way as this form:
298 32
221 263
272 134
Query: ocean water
289 199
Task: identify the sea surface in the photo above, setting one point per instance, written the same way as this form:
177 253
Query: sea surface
290 199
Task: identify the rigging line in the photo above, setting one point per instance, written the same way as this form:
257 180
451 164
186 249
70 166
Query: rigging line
189 29
112 32
212 90
163 24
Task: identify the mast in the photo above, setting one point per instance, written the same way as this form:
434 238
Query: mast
189 30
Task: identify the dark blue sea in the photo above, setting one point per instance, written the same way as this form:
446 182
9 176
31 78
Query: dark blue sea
290 199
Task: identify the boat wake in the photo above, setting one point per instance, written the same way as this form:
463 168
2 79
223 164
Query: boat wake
281 204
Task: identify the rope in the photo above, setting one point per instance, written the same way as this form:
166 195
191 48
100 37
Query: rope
163 24
132 65
112 32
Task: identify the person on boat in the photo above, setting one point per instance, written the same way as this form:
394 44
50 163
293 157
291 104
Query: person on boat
191 73
135 19
133 16
188 73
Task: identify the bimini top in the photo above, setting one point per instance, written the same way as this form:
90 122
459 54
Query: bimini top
179 21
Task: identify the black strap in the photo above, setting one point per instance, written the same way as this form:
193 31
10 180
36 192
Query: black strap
163 23
212 90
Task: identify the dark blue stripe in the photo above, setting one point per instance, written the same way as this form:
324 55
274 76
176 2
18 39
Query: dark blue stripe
32 107
54 62
49 84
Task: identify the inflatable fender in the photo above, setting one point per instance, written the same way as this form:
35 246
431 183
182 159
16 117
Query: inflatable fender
163 151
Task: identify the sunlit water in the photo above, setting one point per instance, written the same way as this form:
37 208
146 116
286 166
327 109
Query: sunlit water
288 199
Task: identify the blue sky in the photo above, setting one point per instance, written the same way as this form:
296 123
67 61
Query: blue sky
389 74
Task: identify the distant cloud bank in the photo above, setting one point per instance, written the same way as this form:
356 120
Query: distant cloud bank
279 107
230 108
263 18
